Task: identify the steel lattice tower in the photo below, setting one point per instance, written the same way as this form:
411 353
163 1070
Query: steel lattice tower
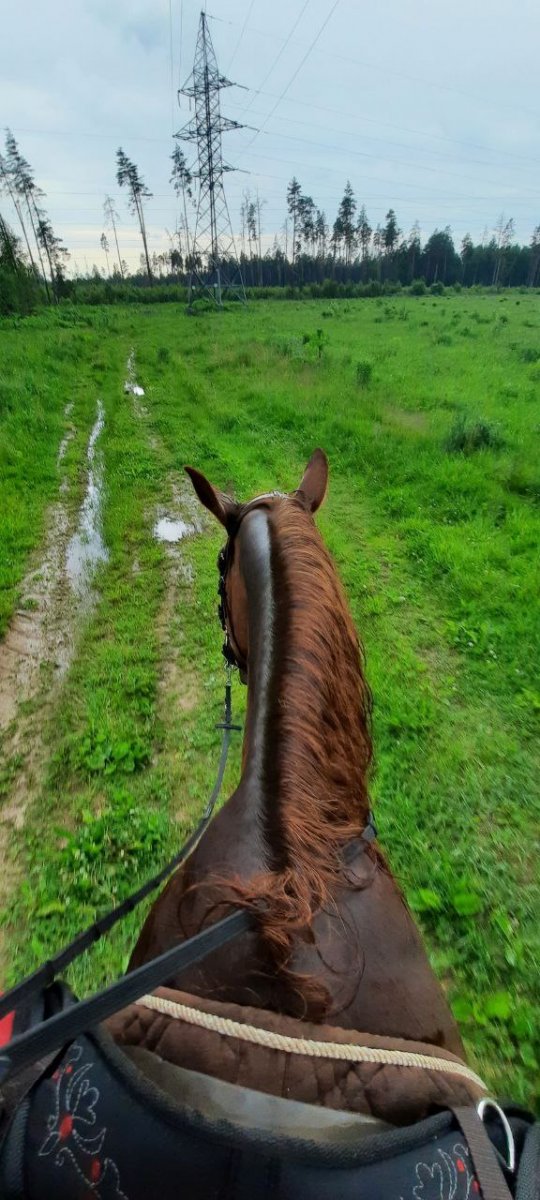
213 239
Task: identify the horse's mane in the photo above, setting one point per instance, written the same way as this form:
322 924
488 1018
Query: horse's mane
317 743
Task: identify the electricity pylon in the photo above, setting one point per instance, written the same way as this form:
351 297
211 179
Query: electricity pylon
214 267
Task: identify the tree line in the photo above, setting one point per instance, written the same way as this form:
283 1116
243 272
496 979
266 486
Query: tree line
308 252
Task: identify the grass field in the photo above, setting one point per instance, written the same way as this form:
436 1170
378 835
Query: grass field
429 411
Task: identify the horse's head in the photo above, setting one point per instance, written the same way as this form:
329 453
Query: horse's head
238 558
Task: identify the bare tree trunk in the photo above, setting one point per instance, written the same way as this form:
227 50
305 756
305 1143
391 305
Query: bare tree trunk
29 205
142 226
113 223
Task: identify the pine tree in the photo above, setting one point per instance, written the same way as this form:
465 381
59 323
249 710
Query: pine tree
24 187
182 180
321 231
346 223
414 247
111 217
105 247
535 256
294 193
127 175
391 233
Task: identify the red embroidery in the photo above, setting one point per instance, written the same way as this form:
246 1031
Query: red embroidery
460 1164
65 1127
75 1136
6 1028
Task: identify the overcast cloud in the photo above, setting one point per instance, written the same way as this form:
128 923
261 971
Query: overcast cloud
430 108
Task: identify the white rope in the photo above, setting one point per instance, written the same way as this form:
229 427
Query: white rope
348 1052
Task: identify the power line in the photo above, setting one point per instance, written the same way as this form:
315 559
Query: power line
478 99
366 154
171 65
242 31
418 133
280 53
119 137
309 50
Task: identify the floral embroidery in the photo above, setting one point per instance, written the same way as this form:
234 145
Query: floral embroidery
72 1136
449 1177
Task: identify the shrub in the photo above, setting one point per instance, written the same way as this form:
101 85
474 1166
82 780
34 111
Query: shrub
418 287
364 372
465 438
437 289
529 354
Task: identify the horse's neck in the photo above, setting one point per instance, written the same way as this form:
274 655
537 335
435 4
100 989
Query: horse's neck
307 746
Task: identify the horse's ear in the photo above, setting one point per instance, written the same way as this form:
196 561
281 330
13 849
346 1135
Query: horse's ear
222 506
312 489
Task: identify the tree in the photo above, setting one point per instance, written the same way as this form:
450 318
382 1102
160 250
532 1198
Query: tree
111 217
23 187
306 214
378 242
337 237
364 232
17 281
55 253
321 233
182 180
105 247
504 232
294 193
391 233
127 175
439 256
535 257
345 222
7 186
414 248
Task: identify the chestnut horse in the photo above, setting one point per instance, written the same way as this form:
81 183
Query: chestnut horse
334 938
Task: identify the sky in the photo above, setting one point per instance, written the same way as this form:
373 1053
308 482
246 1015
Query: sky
430 108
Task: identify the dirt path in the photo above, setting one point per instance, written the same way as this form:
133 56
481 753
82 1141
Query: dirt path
40 642
180 518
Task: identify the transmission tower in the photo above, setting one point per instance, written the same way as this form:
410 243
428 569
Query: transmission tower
213 240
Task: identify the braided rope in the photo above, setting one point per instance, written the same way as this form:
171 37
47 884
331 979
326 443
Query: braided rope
348 1052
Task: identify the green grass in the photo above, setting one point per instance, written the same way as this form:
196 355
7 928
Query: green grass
429 412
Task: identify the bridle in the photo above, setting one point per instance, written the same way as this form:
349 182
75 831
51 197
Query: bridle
229 648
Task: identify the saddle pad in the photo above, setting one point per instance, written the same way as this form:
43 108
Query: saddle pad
399 1089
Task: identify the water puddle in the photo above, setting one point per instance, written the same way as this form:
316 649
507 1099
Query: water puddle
182 519
172 529
86 549
131 386
67 438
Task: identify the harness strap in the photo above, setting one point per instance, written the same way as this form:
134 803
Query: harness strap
486 1166
67 1025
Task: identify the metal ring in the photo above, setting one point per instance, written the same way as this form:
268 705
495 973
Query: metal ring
488 1103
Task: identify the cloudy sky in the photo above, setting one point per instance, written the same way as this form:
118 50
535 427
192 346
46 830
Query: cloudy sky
431 108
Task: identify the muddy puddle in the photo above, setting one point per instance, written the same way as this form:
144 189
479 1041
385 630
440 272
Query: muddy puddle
171 529
67 438
86 548
38 646
182 518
